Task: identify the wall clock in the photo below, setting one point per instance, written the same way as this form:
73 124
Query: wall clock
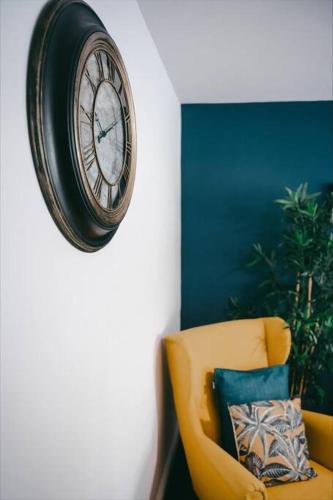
81 123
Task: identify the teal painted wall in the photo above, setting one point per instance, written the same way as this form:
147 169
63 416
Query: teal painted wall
236 159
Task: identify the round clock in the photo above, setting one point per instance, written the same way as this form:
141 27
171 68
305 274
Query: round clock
81 123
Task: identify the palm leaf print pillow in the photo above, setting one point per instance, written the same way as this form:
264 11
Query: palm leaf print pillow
271 442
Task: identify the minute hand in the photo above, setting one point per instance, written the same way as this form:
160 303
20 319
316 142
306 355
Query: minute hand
103 133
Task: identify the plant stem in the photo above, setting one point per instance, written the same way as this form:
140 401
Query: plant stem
309 298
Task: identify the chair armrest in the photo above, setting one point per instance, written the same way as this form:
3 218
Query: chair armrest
219 476
215 474
319 433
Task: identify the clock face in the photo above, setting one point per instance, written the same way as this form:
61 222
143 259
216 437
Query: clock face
103 130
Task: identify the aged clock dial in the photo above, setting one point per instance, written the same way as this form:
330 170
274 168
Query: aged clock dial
102 131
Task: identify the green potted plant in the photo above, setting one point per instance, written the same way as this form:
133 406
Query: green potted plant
298 286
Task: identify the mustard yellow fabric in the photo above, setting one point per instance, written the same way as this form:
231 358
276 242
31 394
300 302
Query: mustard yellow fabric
192 356
317 488
319 433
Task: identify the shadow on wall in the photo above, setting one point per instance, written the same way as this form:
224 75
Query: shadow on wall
155 467
166 420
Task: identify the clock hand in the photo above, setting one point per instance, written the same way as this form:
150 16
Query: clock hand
103 133
107 130
98 122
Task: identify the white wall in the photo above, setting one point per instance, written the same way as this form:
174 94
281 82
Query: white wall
245 50
83 409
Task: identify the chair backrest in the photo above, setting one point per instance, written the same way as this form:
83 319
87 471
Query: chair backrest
193 354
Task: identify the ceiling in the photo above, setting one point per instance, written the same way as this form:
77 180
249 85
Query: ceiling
244 50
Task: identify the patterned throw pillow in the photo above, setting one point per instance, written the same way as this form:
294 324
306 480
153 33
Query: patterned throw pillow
271 442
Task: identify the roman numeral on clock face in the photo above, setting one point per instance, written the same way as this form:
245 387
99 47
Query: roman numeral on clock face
120 147
92 85
89 155
98 185
87 114
99 60
126 173
120 89
111 69
109 202
120 191
128 148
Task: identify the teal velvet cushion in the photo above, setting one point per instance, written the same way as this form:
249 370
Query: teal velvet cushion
239 386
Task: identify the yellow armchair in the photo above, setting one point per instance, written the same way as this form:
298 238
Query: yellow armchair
244 344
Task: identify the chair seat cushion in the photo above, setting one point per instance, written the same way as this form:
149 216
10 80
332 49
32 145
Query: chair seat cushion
318 488
240 386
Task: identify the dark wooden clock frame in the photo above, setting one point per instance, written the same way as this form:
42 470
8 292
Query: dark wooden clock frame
61 32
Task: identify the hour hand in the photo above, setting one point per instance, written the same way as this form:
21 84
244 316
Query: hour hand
103 133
